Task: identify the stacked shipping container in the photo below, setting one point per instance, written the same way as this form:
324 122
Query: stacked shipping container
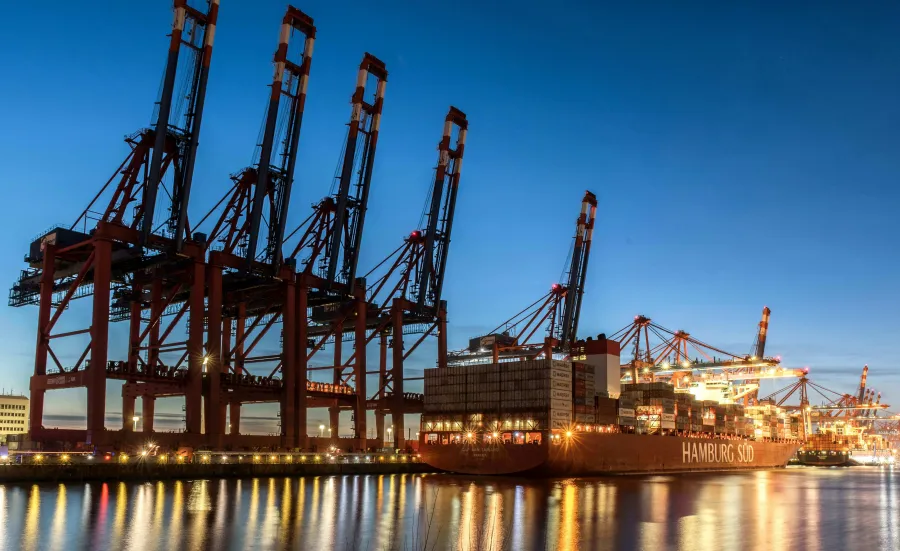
654 405
770 421
583 391
626 413
554 394
607 411
683 410
533 390
560 377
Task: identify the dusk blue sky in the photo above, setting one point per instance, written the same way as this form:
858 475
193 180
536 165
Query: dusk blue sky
742 156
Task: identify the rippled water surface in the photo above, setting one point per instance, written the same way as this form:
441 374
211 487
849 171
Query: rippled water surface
796 508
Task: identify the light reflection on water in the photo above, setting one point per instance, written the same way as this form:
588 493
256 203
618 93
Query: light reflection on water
856 508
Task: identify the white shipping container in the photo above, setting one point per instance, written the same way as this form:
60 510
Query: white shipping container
560 423
561 395
626 412
666 417
561 384
667 424
561 374
561 404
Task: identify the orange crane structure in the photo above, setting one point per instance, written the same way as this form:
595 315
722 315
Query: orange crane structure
834 406
136 256
124 246
557 311
661 354
405 297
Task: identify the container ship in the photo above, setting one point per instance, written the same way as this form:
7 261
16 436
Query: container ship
549 417
844 444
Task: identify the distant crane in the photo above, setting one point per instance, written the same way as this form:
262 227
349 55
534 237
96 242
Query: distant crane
835 406
661 353
759 347
558 310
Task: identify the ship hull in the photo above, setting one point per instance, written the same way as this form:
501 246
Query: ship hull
814 459
587 454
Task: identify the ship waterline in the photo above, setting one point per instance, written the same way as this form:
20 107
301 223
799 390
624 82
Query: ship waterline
586 454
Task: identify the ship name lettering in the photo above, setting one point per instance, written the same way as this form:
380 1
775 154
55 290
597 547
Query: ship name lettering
709 452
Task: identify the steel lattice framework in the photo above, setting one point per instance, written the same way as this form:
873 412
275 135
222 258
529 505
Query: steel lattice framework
198 306
127 248
557 312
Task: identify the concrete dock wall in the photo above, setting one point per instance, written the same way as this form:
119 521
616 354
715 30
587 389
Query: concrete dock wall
152 471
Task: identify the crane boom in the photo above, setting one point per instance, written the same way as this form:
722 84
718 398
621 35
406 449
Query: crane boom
578 269
443 207
419 264
266 181
195 31
291 81
365 120
862 383
558 310
759 349
332 234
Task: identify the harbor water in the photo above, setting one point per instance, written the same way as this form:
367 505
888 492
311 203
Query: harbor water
794 508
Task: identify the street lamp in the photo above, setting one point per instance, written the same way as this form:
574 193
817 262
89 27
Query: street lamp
135 420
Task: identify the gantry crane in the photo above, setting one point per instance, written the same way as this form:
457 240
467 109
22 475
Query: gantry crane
329 300
406 298
123 241
835 405
246 277
558 310
669 357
